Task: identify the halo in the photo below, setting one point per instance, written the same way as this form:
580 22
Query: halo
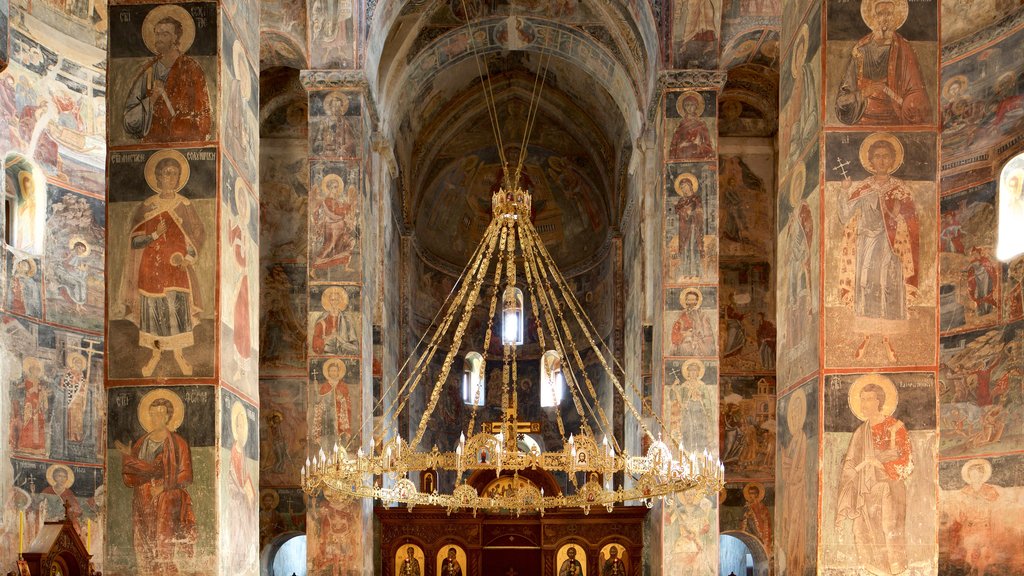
331 178
240 69
241 199
242 434
796 61
985 464
325 297
876 137
700 365
53 468
77 356
797 183
336 362
150 170
340 97
749 488
689 94
78 239
179 409
891 396
958 79
867 12
691 290
273 494
28 363
687 176
32 267
796 411
188 26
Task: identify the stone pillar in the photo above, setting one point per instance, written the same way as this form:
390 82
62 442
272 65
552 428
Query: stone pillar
340 344
182 289
857 288
689 302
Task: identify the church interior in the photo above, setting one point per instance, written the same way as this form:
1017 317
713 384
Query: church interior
512 287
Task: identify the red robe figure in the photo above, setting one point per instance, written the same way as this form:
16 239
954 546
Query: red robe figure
691 140
28 411
168 100
158 468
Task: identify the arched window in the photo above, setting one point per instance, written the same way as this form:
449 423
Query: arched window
552 382
24 204
512 316
1011 210
474 389
289 557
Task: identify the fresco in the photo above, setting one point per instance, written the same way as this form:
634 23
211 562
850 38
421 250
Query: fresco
282 432
689 117
796 489
335 253
696 27
800 86
690 401
980 99
691 223
746 177
747 427
283 34
335 124
281 510
284 192
238 479
173 528
24 285
897 87
335 320
5 33
969 294
963 18
979 392
333 28
691 321
74 259
162 68
282 346
334 537
749 507
798 273
240 88
1013 290
162 210
239 274
335 399
879 509
883 290
690 535
979 500
746 318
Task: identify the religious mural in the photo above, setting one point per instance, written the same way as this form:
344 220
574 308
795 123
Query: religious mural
980 500
748 507
238 481
282 435
689 117
281 510
161 257
239 274
451 561
691 324
881 59
163 62
162 451
969 293
696 28
799 87
879 254
879 504
691 222
74 259
746 318
336 124
283 34
745 184
796 488
747 427
240 89
333 31
335 537
335 320
335 222
334 403
690 401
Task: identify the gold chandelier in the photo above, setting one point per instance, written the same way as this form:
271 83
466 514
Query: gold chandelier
383 473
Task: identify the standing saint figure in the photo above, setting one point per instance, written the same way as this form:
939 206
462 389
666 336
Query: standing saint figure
410 565
75 382
691 140
692 333
613 565
800 121
688 409
160 290
332 414
334 135
689 209
59 495
334 331
757 520
883 84
23 294
238 238
979 505
571 566
882 240
158 469
242 519
30 404
72 274
793 515
450 565
168 100
872 488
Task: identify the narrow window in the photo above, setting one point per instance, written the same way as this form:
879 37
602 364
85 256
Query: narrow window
552 382
1011 210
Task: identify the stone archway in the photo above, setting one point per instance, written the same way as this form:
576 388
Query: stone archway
762 564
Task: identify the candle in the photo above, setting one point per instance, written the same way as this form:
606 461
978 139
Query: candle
21 532
88 536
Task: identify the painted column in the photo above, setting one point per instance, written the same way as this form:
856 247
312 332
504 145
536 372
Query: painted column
182 289
857 249
689 303
340 311
5 33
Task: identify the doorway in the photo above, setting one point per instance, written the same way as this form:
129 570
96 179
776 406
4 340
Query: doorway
512 560
741 554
